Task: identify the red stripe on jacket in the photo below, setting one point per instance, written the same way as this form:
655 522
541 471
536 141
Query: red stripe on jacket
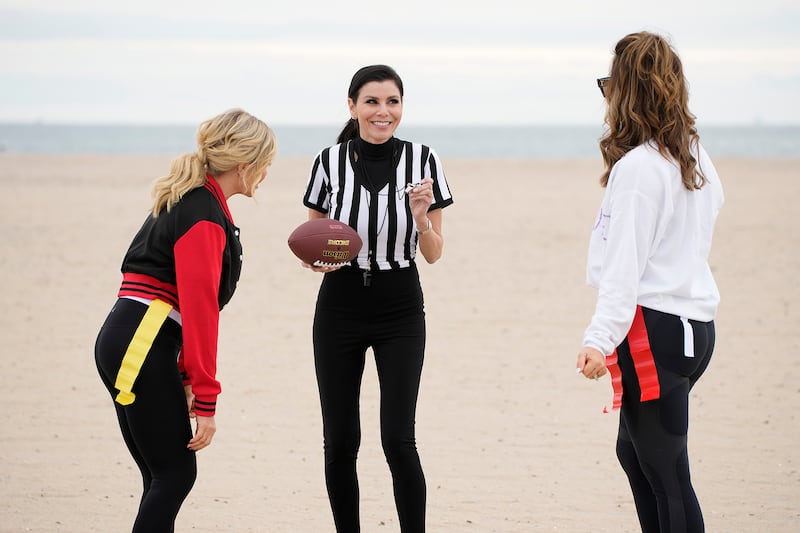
144 286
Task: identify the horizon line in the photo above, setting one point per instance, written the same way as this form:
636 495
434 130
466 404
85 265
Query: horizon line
43 122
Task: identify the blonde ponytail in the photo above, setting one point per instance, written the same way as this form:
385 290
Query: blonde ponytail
223 142
186 173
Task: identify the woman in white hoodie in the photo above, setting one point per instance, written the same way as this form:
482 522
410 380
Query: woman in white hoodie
653 325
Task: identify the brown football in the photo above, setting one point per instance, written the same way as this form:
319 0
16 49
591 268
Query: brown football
325 242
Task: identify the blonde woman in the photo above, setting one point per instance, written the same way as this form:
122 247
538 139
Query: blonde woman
653 326
157 350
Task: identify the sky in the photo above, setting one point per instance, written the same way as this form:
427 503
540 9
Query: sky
499 62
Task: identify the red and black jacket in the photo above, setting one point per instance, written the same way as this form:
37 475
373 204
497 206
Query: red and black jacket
191 258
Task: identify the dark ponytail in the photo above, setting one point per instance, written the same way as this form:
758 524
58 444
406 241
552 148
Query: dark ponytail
363 76
350 131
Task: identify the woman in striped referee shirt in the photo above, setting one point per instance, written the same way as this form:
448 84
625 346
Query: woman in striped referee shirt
376 300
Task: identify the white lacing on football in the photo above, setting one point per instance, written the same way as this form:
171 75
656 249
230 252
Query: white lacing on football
319 263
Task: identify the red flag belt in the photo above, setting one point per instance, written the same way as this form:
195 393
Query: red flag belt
642 355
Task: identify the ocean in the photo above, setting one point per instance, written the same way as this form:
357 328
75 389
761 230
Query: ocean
758 141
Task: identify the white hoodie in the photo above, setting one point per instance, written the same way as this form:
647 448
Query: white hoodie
650 245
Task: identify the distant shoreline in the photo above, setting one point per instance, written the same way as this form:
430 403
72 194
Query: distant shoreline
487 141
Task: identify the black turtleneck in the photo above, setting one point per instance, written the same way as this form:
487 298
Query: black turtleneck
376 161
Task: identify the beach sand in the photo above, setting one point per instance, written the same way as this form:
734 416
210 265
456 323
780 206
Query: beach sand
510 438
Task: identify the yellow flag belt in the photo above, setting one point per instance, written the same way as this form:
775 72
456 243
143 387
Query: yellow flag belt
138 348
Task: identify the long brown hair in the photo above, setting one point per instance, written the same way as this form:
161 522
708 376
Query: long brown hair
648 99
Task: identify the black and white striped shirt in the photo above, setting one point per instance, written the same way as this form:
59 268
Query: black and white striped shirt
382 218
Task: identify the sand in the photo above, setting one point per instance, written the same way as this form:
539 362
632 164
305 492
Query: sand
510 438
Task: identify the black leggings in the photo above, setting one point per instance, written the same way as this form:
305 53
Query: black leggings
652 439
388 316
156 425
